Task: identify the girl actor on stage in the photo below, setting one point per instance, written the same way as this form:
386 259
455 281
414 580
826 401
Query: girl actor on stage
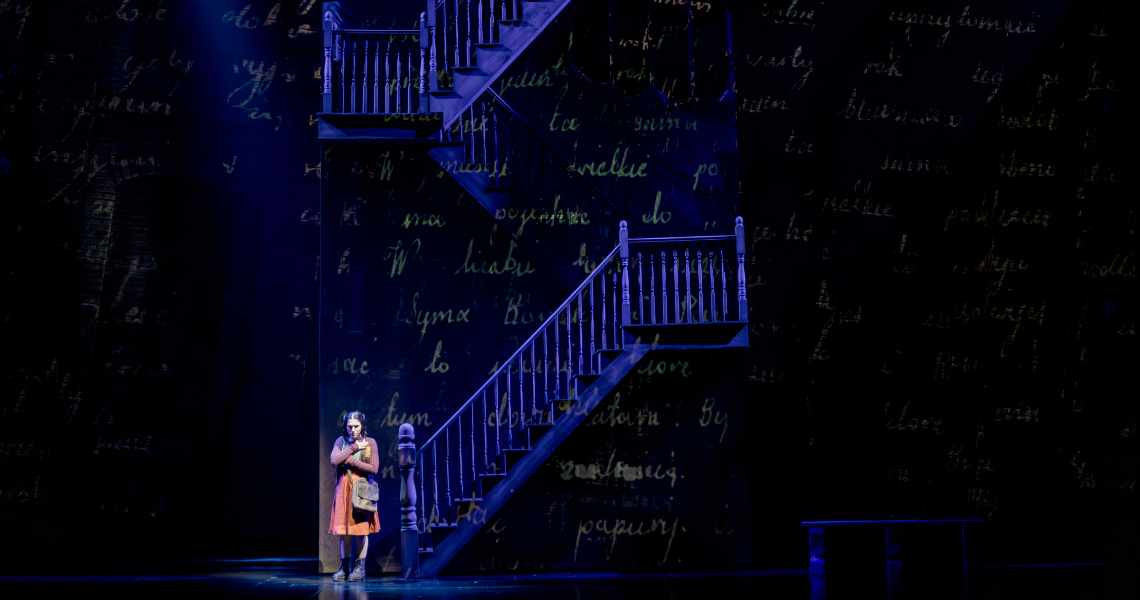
355 456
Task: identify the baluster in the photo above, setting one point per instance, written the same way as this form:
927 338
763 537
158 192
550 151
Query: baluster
486 415
387 72
459 444
712 282
700 286
326 71
498 422
483 128
447 470
652 290
495 130
515 10
434 484
569 352
507 405
545 375
352 96
467 30
456 42
581 344
640 292
491 29
522 397
423 68
396 83
409 530
664 289
364 91
503 5
602 284
423 498
473 478
688 288
723 282
480 20
614 287
472 161
533 387
376 76
432 75
443 45
557 368
741 294
623 253
676 286
342 61
409 87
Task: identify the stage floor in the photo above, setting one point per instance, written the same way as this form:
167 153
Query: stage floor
1010 582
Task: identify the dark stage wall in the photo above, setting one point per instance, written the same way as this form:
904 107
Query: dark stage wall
940 230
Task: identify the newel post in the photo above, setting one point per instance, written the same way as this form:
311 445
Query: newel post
409 532
424 41
741 280
326 72
623 241
433 65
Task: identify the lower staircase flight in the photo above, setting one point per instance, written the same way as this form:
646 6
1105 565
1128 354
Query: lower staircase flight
501 435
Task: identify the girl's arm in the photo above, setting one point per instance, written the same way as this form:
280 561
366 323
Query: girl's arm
373 463
341 455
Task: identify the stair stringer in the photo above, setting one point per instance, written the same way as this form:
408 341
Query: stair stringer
514 38
521 471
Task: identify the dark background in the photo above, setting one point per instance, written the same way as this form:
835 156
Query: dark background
163 185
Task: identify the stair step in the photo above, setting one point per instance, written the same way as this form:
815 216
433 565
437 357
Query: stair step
510 457
510 22
583 383
488 481
440 531
607 356
488 45
463 507
534 432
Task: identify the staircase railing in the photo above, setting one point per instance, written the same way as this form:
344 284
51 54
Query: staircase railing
529 182
374 70
537 381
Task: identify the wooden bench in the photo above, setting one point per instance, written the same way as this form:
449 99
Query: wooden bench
894 551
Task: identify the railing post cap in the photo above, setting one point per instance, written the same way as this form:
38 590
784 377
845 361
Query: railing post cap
623 225
407 433
740 220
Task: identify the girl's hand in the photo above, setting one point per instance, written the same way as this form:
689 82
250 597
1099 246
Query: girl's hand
362 444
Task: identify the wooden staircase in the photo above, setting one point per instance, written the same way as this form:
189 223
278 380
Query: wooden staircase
553 382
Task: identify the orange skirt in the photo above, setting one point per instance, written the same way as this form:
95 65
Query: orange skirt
344 516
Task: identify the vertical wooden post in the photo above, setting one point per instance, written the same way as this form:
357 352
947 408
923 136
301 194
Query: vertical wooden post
409 531
623 240
741 295
894 562
816 565
424 41
433 65
326 73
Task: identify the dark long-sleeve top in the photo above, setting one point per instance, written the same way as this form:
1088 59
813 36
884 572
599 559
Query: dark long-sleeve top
342 458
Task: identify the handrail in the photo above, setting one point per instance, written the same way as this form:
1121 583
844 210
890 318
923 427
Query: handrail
554 151
553 318
690 238
377 31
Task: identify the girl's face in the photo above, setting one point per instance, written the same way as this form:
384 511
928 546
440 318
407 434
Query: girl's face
353 428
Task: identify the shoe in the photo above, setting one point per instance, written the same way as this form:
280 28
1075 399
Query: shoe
339 575
357 573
